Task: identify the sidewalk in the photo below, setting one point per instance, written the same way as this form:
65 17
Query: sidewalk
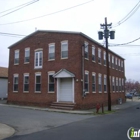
7 131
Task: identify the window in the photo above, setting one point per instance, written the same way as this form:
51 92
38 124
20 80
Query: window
38 82
116 62
113 62
122 65
113 84
51 82
86 50
120 84
86 82
26 82
109 60
105 83
38 59
93 82
15 83
93 53
99 56
116 84
100 83
27 55
64 49
51 51
105 58
16 59
119 64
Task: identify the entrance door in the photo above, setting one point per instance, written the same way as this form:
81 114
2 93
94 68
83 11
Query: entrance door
66 90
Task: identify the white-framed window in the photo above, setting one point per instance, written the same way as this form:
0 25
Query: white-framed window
26 83
113 62
93 82
15 82
64 49
122 65
37 82
120 85
16 57
116 63
119 68
113 83
117 89
51 54
50 82
93 54
39 59
104 58
86 50
99 56
27 55
100 83
86 81
109 60
105 83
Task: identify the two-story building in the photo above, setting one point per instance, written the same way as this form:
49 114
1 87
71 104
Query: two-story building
48 67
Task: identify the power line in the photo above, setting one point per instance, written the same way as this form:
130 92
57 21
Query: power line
20 7
134 9
48 14
124 43
11 35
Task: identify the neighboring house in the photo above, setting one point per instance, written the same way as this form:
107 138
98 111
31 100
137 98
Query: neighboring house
63 67
3 82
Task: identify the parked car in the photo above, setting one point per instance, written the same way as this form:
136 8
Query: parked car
129 96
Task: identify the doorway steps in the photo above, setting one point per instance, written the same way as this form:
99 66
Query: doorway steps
63 105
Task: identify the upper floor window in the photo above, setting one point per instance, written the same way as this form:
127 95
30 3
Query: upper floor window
122 84
99 56
26 82
15 82
38 59
93 53
93 82
119 64
51 51
64 49
113 62
86 82
109 60
27 55
116 62
122 65
38 82
16 59
99 83
50 82
105 58
117 84
86 50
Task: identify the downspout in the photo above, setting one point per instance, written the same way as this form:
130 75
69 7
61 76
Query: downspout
83 70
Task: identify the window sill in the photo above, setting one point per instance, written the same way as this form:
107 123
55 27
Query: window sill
51 59
50 92
37 91
38 68
99 63
86 59
94 92
16 64
64 58
25 91
26 62
94 61
15 91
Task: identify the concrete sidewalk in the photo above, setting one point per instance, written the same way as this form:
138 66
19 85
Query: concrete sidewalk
7 131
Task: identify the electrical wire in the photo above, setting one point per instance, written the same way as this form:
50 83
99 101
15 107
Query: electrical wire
48 14
135 8
11 35
20 7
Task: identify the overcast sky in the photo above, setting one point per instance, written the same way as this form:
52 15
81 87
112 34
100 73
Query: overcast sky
85 18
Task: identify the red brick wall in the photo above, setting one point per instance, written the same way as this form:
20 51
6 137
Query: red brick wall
72 64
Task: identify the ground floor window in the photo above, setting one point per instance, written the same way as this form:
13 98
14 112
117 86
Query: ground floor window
51 82
105 84
93 82
86 82
26 82
15 82
100 83
38 82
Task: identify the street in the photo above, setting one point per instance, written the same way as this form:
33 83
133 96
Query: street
105 127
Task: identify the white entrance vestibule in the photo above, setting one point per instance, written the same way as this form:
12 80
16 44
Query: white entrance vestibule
65 86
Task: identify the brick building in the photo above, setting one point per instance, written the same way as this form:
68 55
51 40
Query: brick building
57 66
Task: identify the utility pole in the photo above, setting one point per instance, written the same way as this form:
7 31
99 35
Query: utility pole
106 35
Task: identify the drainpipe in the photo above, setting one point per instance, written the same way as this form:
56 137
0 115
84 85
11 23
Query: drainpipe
83 70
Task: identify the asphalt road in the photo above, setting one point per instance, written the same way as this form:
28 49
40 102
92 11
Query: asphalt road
105 127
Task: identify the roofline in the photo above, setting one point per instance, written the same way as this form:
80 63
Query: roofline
67 32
